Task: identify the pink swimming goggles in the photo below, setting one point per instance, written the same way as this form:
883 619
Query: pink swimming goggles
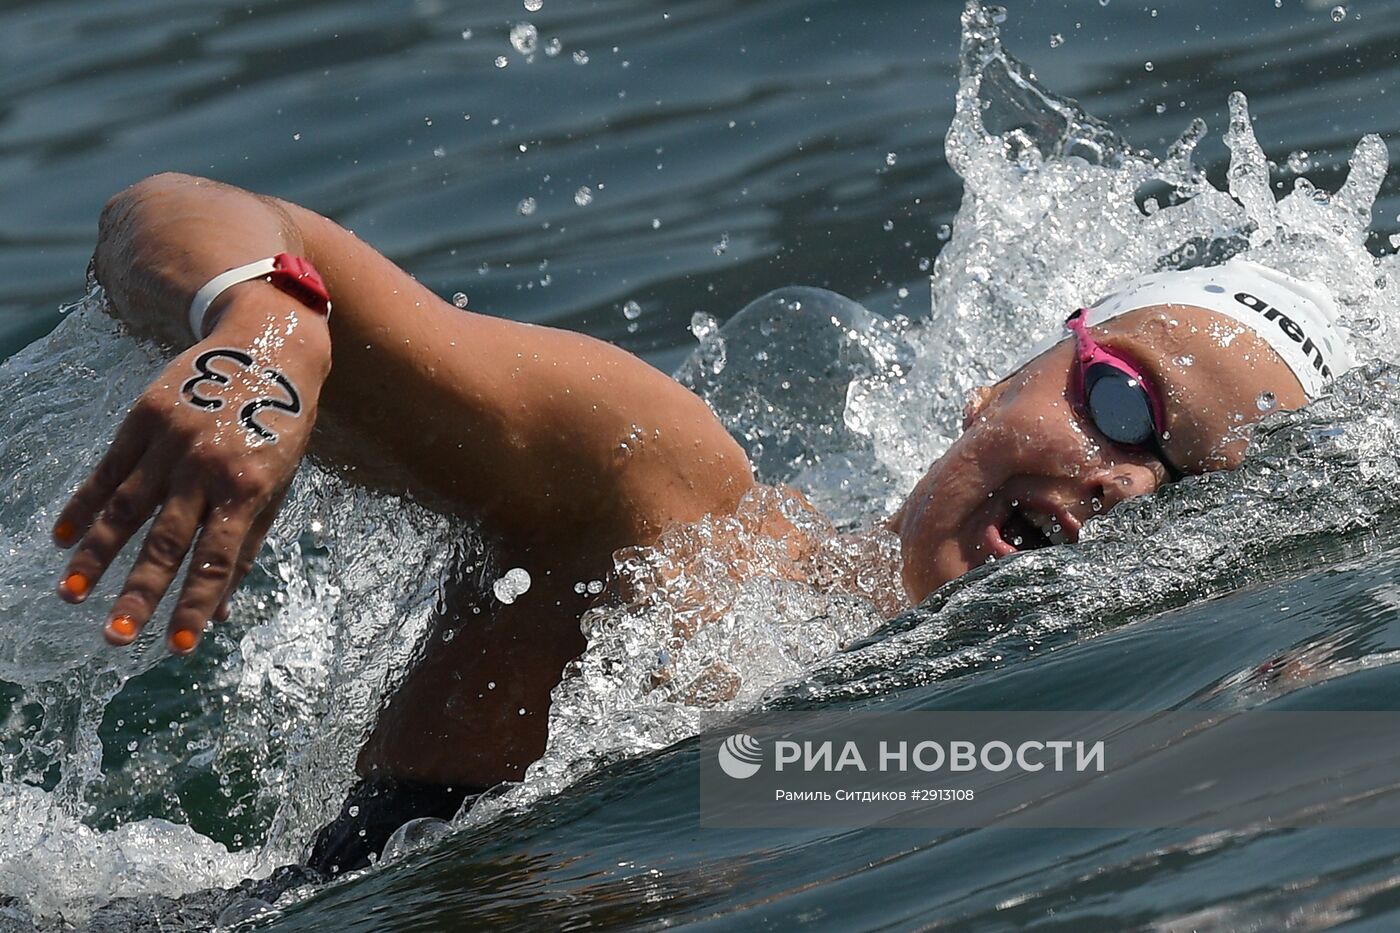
1114 395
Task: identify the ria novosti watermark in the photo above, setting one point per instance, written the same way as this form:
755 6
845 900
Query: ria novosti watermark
1205 770
741 756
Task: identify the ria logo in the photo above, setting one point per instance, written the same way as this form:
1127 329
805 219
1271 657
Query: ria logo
740 756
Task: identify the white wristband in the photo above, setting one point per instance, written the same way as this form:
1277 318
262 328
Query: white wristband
206 296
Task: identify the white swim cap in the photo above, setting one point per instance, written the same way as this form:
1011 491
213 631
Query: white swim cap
1298 319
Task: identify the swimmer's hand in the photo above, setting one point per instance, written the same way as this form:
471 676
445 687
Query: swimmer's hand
210 447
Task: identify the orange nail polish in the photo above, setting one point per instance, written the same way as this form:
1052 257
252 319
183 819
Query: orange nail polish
123 626
183 640
63 533
76 584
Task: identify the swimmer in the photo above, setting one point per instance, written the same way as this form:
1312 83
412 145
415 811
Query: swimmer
329 348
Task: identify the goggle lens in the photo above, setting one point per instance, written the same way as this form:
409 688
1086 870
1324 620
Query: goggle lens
1119 406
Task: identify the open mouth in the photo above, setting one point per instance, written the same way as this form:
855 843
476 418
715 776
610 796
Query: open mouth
1029 526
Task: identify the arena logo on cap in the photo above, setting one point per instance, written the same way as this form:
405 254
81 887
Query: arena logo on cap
1289 327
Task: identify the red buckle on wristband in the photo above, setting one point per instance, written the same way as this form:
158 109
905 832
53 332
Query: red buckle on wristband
299 278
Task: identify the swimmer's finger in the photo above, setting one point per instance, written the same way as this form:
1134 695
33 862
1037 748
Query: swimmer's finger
248 553
155 569
206 582
123 514
93 495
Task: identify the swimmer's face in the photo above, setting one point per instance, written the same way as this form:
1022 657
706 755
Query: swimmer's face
1029 470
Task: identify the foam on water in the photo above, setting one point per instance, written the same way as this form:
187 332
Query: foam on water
719 616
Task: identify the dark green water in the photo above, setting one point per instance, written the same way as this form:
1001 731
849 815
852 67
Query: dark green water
765 127
341 107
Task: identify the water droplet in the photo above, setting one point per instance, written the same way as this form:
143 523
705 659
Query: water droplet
583 196
888 225
501 61
1148 66
415 834
891 158
631 310
439 152
595 587
1266 401
656 223
703 325
466 33
924 264
580 57
534 6
460 299
1056 40
722 246
1103 2
553 47
526 207
512 586
1339 13
1160 108
1185 360
524 36
1299 161
944 232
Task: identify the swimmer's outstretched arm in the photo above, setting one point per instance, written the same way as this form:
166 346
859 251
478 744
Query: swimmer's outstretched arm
564 447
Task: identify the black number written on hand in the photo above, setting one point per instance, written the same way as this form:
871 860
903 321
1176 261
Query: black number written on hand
190 391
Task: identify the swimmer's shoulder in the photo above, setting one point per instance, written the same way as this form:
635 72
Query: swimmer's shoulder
541 433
